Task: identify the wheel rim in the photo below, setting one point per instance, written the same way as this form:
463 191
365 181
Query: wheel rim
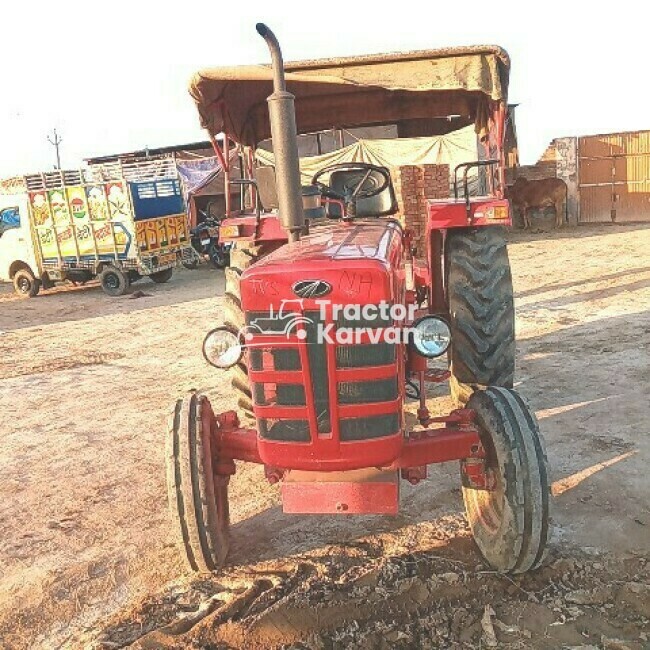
112 281
488 506
24 285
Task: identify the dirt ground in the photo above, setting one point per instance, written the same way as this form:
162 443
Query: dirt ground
87 557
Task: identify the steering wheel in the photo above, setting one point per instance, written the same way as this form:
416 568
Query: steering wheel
358 191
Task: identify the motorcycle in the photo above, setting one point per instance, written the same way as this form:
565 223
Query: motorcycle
205 241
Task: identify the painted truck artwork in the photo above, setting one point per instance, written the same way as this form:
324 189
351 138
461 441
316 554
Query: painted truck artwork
65 227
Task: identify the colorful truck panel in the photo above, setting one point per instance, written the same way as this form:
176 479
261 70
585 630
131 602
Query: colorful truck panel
117 219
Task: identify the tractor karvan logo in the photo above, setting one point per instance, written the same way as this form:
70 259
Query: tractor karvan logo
311 288
384 322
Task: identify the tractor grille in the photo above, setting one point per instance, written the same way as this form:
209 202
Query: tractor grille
365 355
276 348
376 426
284 430
317 353
367 392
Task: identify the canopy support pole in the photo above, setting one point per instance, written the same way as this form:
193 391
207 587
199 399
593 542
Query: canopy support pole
224 161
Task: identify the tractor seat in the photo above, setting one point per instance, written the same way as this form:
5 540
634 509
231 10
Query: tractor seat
267 189
344 182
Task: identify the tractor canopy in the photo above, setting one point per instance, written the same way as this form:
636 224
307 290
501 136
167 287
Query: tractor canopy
357 91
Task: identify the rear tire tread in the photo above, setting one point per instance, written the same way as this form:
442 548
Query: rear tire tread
481 307
240 260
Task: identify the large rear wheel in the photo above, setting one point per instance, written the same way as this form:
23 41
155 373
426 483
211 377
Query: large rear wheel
241 257
481 308
509 519
198 499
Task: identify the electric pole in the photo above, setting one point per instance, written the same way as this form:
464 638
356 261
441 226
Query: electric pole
56 141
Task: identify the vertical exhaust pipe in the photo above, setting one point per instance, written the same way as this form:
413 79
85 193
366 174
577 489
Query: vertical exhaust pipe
282 116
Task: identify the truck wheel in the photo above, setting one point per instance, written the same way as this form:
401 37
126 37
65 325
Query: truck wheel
510 521
160 277
25 284
114 281
240 259
198 498
481 309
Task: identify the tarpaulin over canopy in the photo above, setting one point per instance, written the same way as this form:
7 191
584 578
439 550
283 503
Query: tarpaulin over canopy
355 91
202 176
197 173
450 149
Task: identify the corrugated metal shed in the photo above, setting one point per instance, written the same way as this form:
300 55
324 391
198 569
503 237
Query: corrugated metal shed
615 177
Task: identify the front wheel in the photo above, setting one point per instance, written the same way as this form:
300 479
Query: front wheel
218 256
25 283
160 277
198 499
509 517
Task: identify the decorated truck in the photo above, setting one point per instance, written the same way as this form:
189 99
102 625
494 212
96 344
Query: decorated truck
74 226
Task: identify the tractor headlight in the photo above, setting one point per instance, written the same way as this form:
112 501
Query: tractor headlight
222 348
431 336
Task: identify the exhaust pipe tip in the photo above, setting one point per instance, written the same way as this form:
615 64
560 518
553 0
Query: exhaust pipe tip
282 117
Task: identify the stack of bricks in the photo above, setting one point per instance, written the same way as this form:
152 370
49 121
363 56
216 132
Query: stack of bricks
414 185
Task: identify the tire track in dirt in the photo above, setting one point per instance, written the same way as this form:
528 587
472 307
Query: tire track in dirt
10 371
377 594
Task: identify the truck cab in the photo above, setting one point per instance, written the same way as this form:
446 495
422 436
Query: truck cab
17 252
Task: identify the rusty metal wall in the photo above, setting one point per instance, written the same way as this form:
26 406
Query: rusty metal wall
615 177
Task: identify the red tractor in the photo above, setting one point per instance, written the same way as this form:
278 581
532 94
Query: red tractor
332 322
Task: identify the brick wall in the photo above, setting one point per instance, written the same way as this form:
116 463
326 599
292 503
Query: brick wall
414 184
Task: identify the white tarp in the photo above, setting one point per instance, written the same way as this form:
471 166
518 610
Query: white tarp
450 149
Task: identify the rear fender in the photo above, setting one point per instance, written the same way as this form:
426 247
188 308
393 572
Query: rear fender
483 211
444 214
247 228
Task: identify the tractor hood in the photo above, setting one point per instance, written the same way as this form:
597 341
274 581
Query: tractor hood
358 263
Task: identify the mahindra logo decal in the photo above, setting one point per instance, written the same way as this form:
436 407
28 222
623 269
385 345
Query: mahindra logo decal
311 288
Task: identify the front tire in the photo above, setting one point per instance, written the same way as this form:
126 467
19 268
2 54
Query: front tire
511 521
198 499
114 281
161 277
25 283
481 310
